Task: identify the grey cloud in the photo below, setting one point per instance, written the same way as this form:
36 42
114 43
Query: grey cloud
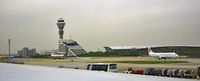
98 23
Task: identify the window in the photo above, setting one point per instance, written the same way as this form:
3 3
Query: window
113 66
100 67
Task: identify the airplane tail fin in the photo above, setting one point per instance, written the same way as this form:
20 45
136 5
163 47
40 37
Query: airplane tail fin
149 50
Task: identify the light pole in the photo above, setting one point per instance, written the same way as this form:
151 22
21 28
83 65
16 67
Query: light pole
9 48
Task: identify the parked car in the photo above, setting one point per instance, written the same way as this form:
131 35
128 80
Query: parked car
169 72
198 71
180 73
164 71
159 72
175 72
150 71
190 73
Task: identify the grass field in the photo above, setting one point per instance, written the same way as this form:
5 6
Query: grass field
122 62
144 62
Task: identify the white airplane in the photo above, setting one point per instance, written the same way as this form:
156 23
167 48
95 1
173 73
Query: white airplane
57 55
17 72
162 55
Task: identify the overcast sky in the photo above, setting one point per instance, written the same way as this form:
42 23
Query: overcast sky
98 23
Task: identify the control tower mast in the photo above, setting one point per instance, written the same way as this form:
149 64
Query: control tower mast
61 24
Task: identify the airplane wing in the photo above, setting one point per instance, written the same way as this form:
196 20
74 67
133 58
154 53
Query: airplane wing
17 72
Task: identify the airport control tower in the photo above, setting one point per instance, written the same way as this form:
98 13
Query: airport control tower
67 47
61 24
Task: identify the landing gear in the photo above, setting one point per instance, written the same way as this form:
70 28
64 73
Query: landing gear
162 58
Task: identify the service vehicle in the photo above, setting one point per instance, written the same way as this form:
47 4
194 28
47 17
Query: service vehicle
107 67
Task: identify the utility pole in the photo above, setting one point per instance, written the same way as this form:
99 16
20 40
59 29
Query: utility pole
9 47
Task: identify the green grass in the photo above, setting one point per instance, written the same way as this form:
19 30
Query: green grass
146 62
130 60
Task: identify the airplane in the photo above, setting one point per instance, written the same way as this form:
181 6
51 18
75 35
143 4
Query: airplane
57 55
19 72
162 55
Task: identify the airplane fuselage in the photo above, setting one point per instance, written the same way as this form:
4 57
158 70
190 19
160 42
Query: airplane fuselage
163 55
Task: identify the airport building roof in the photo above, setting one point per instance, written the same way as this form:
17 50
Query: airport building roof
125 47
143 47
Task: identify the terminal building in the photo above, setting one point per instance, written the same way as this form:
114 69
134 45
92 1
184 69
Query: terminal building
69 48
185 50
127 50
73 48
